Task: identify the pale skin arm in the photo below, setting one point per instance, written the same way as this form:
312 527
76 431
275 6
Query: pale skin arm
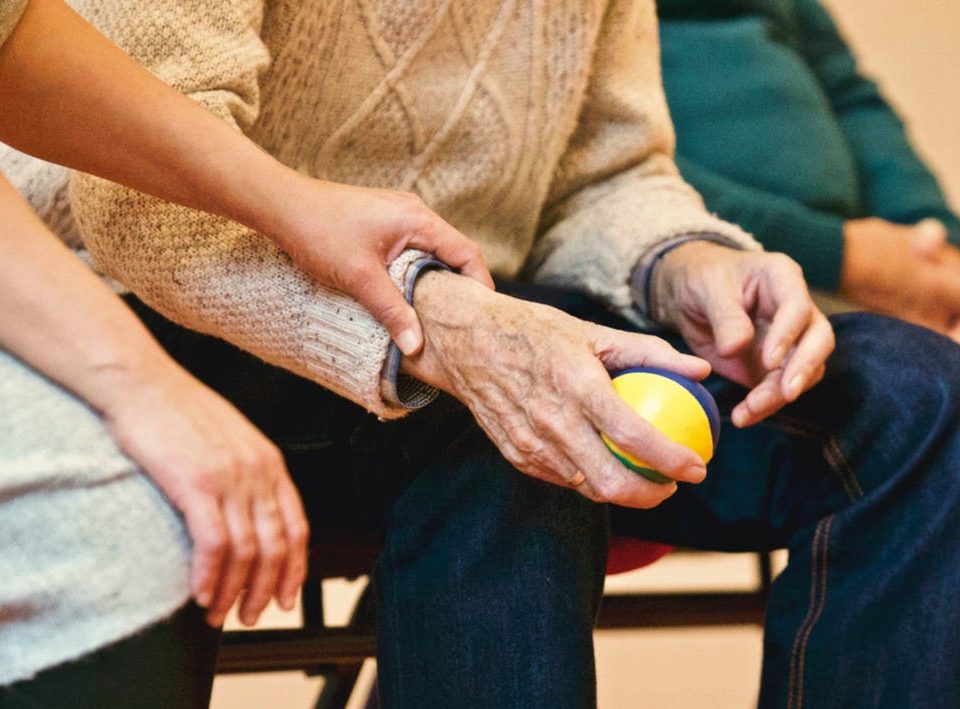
909 272
85 104
230 483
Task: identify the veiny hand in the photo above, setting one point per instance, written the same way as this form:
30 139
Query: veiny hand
908 272
345 237
536 380
750 315
242 511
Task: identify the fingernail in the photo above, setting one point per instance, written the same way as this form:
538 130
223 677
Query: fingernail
287 602
795 387
203 599
777 357
408 342
738 417
697 472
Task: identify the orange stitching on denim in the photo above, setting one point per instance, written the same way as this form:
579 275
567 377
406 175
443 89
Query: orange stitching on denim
818 595
832 452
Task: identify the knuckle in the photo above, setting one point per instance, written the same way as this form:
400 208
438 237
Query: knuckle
609 489
244 550
298 533
212 544
270 456
274 550
786 264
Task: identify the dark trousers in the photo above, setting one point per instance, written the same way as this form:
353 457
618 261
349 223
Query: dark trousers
167 665
489 581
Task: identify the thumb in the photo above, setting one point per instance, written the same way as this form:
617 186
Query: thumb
927 237
381 298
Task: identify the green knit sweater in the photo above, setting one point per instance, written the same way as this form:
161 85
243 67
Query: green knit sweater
781 133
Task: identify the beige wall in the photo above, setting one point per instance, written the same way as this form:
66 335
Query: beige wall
913 50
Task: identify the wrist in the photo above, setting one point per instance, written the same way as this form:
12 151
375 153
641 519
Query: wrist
271 205
449 308
126 376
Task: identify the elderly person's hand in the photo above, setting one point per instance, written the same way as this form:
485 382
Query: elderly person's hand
536 380
750 315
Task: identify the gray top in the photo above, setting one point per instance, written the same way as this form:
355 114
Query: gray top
10 11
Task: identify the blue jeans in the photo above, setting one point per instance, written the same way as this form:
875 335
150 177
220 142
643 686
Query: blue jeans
489 581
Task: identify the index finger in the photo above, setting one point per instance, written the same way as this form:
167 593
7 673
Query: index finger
810 355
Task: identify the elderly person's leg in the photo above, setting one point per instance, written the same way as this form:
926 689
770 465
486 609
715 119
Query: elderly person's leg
489 581
91 553
860 479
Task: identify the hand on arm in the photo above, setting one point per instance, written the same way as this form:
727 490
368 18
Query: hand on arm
87 105
750 315
909 272
536 380
230 483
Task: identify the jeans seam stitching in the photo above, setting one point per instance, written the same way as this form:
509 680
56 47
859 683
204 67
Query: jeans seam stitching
832 452
818 593
838 461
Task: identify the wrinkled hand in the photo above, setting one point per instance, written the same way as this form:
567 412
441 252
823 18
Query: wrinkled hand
536 380
345 237
908 272
230 483
750 315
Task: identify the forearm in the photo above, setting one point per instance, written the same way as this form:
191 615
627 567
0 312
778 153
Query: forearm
62 320
83 103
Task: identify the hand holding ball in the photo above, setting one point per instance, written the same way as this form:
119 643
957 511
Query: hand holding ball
680 408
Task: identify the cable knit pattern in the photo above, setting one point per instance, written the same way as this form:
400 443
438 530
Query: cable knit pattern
10 11
537 128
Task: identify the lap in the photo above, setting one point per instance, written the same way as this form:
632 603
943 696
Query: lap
90 550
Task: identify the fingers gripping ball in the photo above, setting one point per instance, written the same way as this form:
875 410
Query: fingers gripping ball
680 408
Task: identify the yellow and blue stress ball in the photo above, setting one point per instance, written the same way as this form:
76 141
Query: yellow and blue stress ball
680 408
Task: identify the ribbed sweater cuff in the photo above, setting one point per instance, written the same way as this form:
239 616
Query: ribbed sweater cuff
347 349
397 388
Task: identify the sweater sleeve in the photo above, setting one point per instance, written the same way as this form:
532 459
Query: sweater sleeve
895 183
617 193
814 239
208 273
10 12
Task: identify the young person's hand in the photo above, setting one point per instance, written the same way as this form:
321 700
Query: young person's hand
241 509
908 272
750 315
345 238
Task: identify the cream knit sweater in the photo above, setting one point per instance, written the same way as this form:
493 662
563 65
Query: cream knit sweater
537 127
